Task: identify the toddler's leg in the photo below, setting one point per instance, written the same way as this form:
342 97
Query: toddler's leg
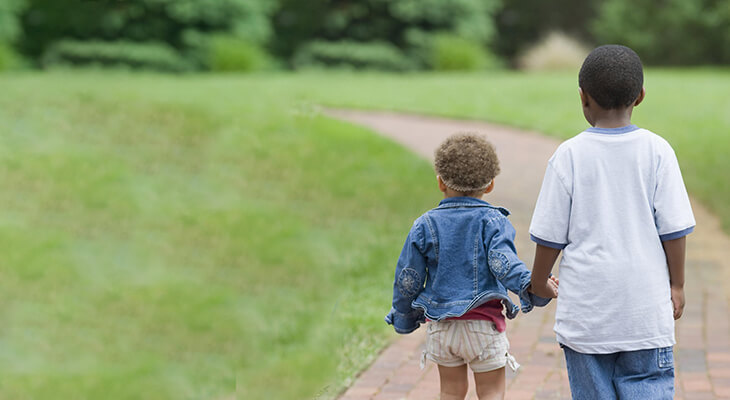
490 385
454 382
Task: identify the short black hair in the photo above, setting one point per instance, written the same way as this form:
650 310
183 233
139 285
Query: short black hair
612 75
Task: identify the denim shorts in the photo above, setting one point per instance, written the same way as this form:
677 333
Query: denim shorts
642 374
452 343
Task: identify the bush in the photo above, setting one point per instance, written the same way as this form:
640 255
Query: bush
8 58
679 32
555 52
522 23
154 56
228 53
453 53
9 19
402 23
143 21
372 55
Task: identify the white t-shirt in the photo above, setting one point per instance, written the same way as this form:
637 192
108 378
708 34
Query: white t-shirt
609 199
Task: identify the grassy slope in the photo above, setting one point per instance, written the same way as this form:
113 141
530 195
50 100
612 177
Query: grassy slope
690 108
191 238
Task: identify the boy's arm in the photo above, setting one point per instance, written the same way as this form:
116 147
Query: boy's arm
675 252
545 258
410 275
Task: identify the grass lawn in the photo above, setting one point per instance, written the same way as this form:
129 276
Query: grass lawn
690 108
215 237
191 239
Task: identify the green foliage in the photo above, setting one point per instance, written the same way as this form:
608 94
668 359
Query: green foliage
9 19
8 58
154 56
171 22
677 32
523 23
406 24
454 53
229 53
374 55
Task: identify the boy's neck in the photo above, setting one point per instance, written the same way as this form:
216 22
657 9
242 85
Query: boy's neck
616 118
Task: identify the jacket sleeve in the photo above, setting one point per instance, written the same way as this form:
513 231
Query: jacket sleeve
509 269
410 276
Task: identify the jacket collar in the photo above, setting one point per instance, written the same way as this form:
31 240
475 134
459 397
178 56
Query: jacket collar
454 202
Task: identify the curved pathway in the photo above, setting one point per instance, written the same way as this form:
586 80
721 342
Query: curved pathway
702 353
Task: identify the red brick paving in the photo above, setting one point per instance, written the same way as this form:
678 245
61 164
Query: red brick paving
702 354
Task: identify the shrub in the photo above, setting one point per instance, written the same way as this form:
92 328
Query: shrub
9 21
679 32
154 56
371 55
556 51
142 21
228 53
454 53
8 58
401 23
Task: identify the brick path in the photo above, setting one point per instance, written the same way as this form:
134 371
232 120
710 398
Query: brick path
702 354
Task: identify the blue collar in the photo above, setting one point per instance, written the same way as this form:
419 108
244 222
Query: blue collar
455 202
613 131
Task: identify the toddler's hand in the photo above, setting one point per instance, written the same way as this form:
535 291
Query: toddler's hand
549 290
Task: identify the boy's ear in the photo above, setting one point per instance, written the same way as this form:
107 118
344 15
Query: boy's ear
583 97
641 97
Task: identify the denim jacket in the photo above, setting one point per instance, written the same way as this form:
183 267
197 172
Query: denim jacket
457 256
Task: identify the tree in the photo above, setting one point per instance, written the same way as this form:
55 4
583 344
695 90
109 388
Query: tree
668 32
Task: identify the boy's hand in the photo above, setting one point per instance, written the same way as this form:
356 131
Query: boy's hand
678 301
549 290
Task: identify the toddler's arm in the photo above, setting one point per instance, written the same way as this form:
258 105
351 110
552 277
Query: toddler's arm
410 275
510 270
675 251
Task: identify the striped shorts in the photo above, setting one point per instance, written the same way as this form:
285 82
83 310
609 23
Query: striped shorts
452 343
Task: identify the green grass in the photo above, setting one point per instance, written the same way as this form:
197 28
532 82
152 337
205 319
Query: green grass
690 108
195 238
215 237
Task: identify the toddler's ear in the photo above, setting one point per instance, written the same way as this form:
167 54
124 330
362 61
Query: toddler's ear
490 187
442 185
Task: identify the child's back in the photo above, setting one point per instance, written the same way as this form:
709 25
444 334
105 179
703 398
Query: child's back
614 202
616 194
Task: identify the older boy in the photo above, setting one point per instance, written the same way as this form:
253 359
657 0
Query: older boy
613 201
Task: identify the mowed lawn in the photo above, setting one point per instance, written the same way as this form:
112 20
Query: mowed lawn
688 107
216 237
191 238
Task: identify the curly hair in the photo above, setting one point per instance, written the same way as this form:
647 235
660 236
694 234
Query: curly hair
612 75
466 162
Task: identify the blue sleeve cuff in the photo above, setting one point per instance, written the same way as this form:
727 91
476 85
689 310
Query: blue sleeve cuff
552 245
405 323
676 235
529 300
